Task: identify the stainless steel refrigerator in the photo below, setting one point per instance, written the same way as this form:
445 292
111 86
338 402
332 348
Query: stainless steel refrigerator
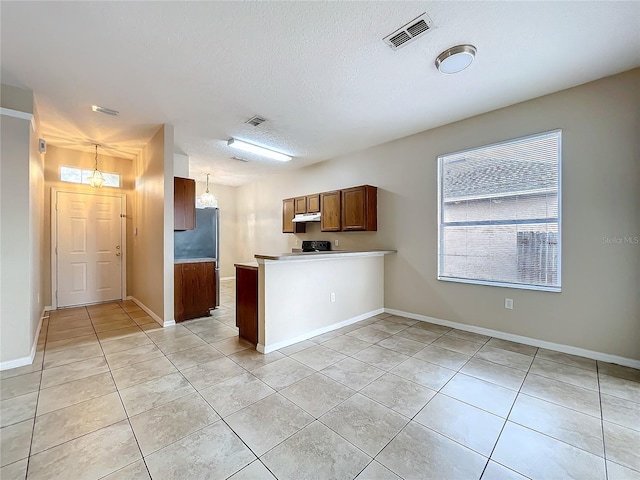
203 242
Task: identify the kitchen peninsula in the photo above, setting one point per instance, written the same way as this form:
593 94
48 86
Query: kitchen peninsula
303 294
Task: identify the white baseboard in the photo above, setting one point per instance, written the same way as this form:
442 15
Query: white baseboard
150 312
558 347
319 331
227 278
28 360
48 308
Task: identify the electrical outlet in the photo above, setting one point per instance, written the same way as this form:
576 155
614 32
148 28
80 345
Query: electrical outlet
508 303
336 242
333 297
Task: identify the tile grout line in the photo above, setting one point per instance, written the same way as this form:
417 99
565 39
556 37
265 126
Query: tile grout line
604 443
33 427
385 372
121 403
506 420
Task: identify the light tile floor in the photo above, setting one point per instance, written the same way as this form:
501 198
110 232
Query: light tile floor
112 395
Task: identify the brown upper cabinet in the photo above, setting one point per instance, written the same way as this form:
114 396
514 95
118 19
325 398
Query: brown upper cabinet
300 205
287 215
330 208
184 204
347 210
360 208
313 203
288 226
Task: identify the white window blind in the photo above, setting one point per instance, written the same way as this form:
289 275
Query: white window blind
499 214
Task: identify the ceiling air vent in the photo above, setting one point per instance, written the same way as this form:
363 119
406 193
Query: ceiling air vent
239 159
256 120
410 32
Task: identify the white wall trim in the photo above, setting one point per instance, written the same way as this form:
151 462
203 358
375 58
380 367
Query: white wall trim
319 331
227 278
28 360
558 347
9 112
150 312
48 308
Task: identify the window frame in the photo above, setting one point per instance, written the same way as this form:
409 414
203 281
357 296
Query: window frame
520 286
90 172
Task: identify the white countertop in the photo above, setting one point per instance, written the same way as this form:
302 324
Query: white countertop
250 265
178 261
323 255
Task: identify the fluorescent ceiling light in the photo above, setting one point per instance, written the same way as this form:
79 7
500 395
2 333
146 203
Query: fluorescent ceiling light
108 111
455 59
265 152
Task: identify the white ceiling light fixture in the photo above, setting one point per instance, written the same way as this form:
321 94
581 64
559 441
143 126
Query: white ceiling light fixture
108 111
207 199
265 152
455 59
96 180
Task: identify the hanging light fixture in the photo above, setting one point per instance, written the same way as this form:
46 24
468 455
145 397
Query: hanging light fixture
207 200
96 179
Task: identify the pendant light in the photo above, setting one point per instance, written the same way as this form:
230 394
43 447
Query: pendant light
207 200
96 179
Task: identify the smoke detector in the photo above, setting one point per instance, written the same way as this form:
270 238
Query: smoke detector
413 30
255 120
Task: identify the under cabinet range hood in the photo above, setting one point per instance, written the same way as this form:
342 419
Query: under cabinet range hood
307 217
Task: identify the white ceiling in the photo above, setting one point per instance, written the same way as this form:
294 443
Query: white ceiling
318 71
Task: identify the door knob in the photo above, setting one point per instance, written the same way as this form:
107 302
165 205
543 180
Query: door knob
117 247
118 254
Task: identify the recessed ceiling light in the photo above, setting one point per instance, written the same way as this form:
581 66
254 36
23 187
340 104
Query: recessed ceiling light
455 59
105 110
249 147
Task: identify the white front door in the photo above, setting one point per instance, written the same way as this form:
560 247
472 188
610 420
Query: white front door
89 248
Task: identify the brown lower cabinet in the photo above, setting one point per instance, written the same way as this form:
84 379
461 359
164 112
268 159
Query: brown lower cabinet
194 289
247 302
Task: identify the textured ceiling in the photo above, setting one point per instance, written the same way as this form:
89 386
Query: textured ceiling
318 71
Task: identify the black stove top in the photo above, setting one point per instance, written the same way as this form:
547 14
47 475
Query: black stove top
316 246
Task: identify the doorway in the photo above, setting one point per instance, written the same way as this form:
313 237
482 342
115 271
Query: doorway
88 248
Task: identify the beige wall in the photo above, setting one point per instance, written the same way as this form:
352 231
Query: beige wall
295 296
37 257
227 201
599 307
21 227
17 99
168 252
151 263
57 157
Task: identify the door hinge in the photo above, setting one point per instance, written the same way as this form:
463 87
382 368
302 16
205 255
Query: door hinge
56 249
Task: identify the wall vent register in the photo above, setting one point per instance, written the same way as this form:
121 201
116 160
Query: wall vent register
410 32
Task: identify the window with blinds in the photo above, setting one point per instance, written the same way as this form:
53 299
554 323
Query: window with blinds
499 214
